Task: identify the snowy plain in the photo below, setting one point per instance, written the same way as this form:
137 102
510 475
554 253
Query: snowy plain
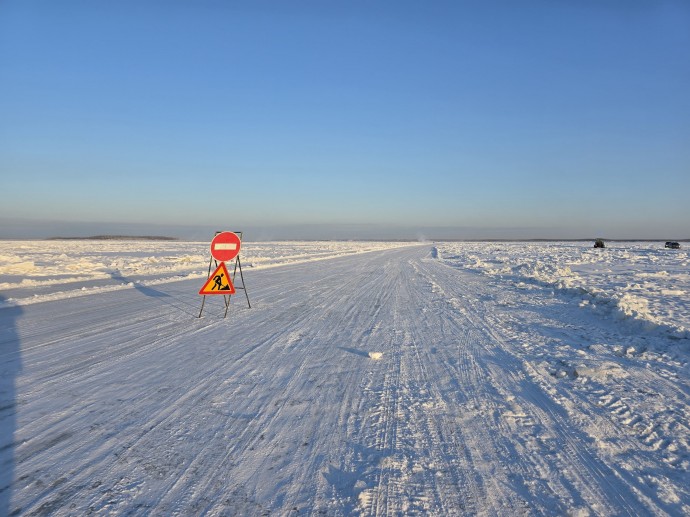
367 378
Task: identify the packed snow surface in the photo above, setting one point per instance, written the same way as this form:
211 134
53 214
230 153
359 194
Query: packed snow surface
366 379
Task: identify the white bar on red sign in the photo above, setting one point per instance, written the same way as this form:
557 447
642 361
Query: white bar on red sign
225 246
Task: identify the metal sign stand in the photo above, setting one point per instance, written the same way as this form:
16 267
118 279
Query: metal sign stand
238 266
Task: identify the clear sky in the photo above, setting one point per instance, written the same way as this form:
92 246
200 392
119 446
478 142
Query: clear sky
347 118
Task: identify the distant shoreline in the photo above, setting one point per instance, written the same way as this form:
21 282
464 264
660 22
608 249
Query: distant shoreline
115 238
429 240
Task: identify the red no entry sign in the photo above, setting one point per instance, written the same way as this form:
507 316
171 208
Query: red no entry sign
225 246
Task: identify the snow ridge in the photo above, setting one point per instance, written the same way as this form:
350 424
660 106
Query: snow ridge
646 286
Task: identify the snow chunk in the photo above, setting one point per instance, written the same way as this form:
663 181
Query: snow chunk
600 371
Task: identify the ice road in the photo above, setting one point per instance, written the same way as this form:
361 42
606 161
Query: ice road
384 383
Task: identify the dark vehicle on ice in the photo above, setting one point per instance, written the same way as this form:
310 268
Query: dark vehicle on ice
599 243
672 245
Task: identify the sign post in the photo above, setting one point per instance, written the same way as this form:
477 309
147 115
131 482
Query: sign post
225 247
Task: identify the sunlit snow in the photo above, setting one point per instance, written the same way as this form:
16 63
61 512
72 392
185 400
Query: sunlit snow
372 378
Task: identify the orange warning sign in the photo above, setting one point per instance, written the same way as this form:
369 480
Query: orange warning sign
219 282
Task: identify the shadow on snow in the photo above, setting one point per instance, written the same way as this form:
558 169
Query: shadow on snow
10 367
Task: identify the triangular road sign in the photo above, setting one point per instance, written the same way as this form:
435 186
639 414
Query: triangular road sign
219 282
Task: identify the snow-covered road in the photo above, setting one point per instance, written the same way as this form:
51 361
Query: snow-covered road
489 399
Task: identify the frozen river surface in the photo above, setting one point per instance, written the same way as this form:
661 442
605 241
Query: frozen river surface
367 378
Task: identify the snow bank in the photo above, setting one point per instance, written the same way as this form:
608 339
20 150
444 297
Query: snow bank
36 271
642 284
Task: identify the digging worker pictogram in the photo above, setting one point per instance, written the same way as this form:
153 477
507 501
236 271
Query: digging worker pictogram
218 279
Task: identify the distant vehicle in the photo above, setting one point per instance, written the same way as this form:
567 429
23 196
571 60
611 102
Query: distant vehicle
672 244
599 243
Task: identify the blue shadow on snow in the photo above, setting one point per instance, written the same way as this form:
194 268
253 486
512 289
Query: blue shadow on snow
10 367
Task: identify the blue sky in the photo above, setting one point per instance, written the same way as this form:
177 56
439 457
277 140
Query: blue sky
342 119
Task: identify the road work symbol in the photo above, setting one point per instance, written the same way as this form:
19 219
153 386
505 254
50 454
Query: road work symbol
219 282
